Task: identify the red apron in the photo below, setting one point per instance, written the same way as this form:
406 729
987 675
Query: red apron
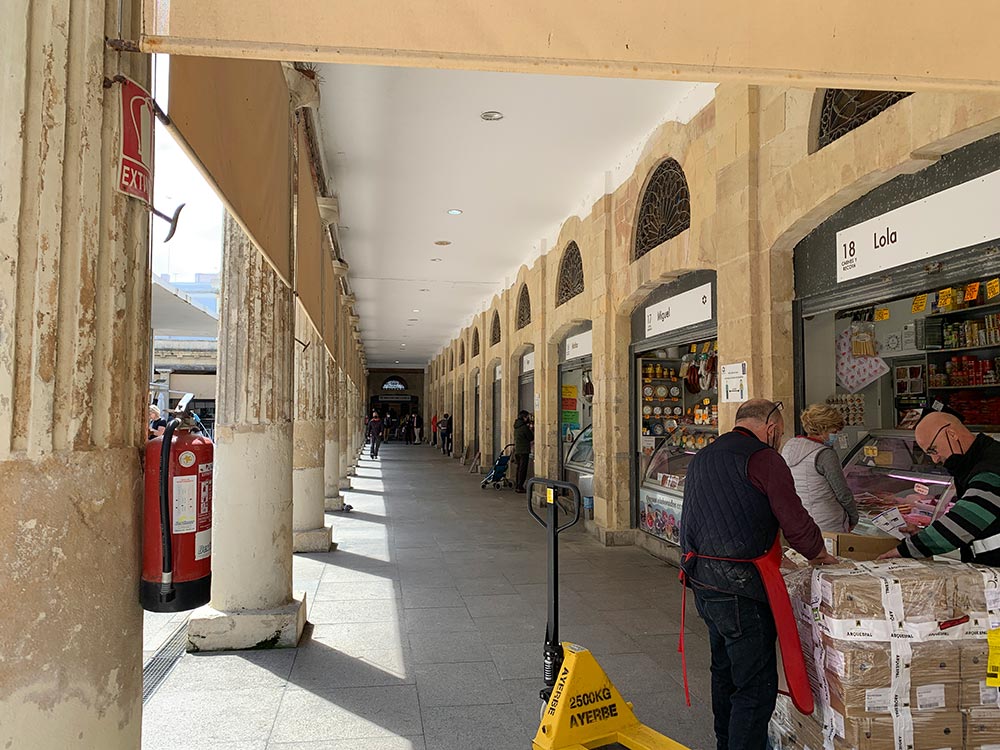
769 567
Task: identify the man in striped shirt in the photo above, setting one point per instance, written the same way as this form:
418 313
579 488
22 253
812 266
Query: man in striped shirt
973 523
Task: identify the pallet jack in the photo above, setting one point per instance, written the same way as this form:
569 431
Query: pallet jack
581 708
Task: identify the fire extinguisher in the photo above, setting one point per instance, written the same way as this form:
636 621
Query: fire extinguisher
177 517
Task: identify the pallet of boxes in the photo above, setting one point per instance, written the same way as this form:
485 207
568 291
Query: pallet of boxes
897 657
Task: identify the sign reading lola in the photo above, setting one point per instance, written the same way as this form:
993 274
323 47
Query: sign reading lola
679 311
961 216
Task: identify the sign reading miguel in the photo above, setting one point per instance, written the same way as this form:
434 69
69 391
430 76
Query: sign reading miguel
135 158
685 309
956 218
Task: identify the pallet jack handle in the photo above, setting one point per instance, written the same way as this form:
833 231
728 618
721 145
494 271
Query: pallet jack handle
553 647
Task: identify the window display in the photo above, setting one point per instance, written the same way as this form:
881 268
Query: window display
679 415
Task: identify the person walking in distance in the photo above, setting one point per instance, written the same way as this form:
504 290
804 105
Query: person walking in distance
434 429
739 497
418 426
524 435
375 433
444 428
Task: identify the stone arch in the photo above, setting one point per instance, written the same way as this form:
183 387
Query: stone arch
523 317
495 332
665 209
836 112
570 280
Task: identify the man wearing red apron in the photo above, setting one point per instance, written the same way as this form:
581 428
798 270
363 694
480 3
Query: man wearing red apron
738 495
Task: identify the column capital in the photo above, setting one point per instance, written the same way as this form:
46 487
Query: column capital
348 300
303 88
329 210
340 267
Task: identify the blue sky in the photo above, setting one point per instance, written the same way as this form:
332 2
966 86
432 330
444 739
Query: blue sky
197 245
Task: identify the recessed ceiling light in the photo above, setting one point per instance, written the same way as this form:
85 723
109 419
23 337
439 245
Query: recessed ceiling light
435 260
413 320
397 361
491 115
415 309
424 290
454 212
442 243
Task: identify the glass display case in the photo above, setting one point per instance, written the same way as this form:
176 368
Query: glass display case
661 489
579 464
887 470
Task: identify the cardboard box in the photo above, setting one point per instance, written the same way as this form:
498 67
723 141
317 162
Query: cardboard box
868 664
853 702
982 727
934 731
857 547
977 694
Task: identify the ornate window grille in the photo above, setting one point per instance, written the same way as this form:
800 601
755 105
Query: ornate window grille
475 342
570 274
461 353
843 110
523 308
495 330
665 210
395 383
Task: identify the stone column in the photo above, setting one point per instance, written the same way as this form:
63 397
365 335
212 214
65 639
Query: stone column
346 469
332 474
309 534
74 370
252 605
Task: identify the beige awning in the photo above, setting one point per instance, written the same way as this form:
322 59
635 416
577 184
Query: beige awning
233 115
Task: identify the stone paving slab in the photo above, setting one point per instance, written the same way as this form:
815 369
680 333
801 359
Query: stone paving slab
426 626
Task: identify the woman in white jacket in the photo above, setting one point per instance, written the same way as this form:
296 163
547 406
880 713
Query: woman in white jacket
819 478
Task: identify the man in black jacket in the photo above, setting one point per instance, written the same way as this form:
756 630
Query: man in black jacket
444 430
738 494
523 437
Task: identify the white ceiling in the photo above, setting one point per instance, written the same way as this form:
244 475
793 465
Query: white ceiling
405 145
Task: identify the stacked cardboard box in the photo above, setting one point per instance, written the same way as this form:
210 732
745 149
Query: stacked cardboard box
896 654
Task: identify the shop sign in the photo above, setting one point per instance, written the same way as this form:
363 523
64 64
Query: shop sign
580 345
135 156
570 391
681 310
961 216
660 515
734 388
992 288
528 363
395 398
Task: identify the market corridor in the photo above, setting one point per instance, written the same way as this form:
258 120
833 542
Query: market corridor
426 627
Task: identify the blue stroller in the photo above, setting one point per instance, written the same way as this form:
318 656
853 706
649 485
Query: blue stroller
498 474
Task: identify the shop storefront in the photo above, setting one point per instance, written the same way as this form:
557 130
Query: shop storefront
576 409
526 395
897 309
497 410
476 409
675 413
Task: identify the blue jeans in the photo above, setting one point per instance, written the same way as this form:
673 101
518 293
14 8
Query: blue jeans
742 635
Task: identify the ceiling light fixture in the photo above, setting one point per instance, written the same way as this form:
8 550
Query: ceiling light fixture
491 115
442 243
423 290
415 309
435 260
454 212
397 361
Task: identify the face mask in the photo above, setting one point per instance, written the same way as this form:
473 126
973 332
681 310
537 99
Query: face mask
831 440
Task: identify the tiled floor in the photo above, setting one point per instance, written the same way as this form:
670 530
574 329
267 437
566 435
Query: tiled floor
426 630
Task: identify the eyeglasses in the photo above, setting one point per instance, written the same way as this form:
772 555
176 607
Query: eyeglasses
930 450
778 407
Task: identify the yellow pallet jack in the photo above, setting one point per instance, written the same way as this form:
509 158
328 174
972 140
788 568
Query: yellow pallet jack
581 709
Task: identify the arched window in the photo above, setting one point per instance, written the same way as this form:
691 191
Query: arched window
451 361
665 210
461 353
495 330
843 110
394 383
570 274
475 342
523 308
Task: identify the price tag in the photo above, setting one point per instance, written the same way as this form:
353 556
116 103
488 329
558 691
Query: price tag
881 314
972 292
707 347
871 451
945 297
921 489
919 304
992 288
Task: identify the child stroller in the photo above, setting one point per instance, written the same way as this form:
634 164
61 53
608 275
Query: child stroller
498 474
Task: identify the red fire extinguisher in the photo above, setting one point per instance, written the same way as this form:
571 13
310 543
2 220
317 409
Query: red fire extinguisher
177 517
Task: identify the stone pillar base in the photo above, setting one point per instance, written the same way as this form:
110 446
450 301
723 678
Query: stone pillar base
334 503
313 540
212 630
345 482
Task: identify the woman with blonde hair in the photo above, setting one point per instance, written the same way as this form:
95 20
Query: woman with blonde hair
819 478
